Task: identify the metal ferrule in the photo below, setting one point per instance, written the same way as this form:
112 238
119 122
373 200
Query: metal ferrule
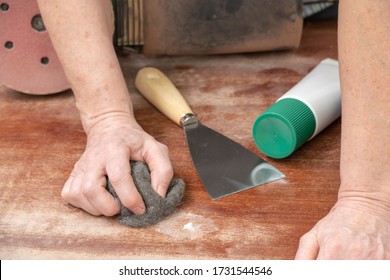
189 120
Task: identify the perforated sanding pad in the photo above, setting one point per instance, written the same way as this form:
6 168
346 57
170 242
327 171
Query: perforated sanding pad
28 62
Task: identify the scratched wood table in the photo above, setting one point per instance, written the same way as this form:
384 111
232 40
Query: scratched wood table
41 138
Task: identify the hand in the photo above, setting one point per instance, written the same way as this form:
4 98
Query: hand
352 230
112 142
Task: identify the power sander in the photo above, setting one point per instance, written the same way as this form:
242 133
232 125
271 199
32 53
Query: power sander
29 64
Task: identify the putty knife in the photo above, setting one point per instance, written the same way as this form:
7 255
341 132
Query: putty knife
224 166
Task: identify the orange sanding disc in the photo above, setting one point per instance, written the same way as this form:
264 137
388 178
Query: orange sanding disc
28 62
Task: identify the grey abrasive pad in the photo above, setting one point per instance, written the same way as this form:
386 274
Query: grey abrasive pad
157 207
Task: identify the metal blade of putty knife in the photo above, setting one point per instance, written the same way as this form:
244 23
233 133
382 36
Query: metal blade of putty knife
224 166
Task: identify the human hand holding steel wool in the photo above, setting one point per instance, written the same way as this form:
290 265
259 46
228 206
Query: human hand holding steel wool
113 135
111 143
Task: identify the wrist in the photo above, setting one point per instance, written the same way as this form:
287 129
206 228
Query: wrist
104 120
364 167
365 178
366 196
97 108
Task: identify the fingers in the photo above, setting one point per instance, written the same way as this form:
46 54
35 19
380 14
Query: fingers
119 173
160 166
308 247
85 191
73 195
109 156
94 190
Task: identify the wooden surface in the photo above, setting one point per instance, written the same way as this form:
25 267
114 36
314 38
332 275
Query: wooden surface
41 138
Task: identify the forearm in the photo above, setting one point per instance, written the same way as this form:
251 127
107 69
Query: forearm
81 32
364 55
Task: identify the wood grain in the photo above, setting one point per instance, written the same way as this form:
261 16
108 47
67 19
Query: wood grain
41 137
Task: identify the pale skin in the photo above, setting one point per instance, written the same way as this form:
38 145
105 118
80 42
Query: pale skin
358 226
81 32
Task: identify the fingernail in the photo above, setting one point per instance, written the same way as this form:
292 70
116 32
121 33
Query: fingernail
139 210
160 190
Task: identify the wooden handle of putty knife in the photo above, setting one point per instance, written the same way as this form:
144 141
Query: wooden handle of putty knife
160 91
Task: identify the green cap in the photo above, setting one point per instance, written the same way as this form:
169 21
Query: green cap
283 128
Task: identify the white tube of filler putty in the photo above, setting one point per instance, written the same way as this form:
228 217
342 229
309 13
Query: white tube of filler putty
301 113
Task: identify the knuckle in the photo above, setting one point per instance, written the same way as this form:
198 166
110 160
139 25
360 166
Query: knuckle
361 247
70 195
116 175
65 194
78 167
304 238
111 147
167 171
88 189
164 148
334 245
